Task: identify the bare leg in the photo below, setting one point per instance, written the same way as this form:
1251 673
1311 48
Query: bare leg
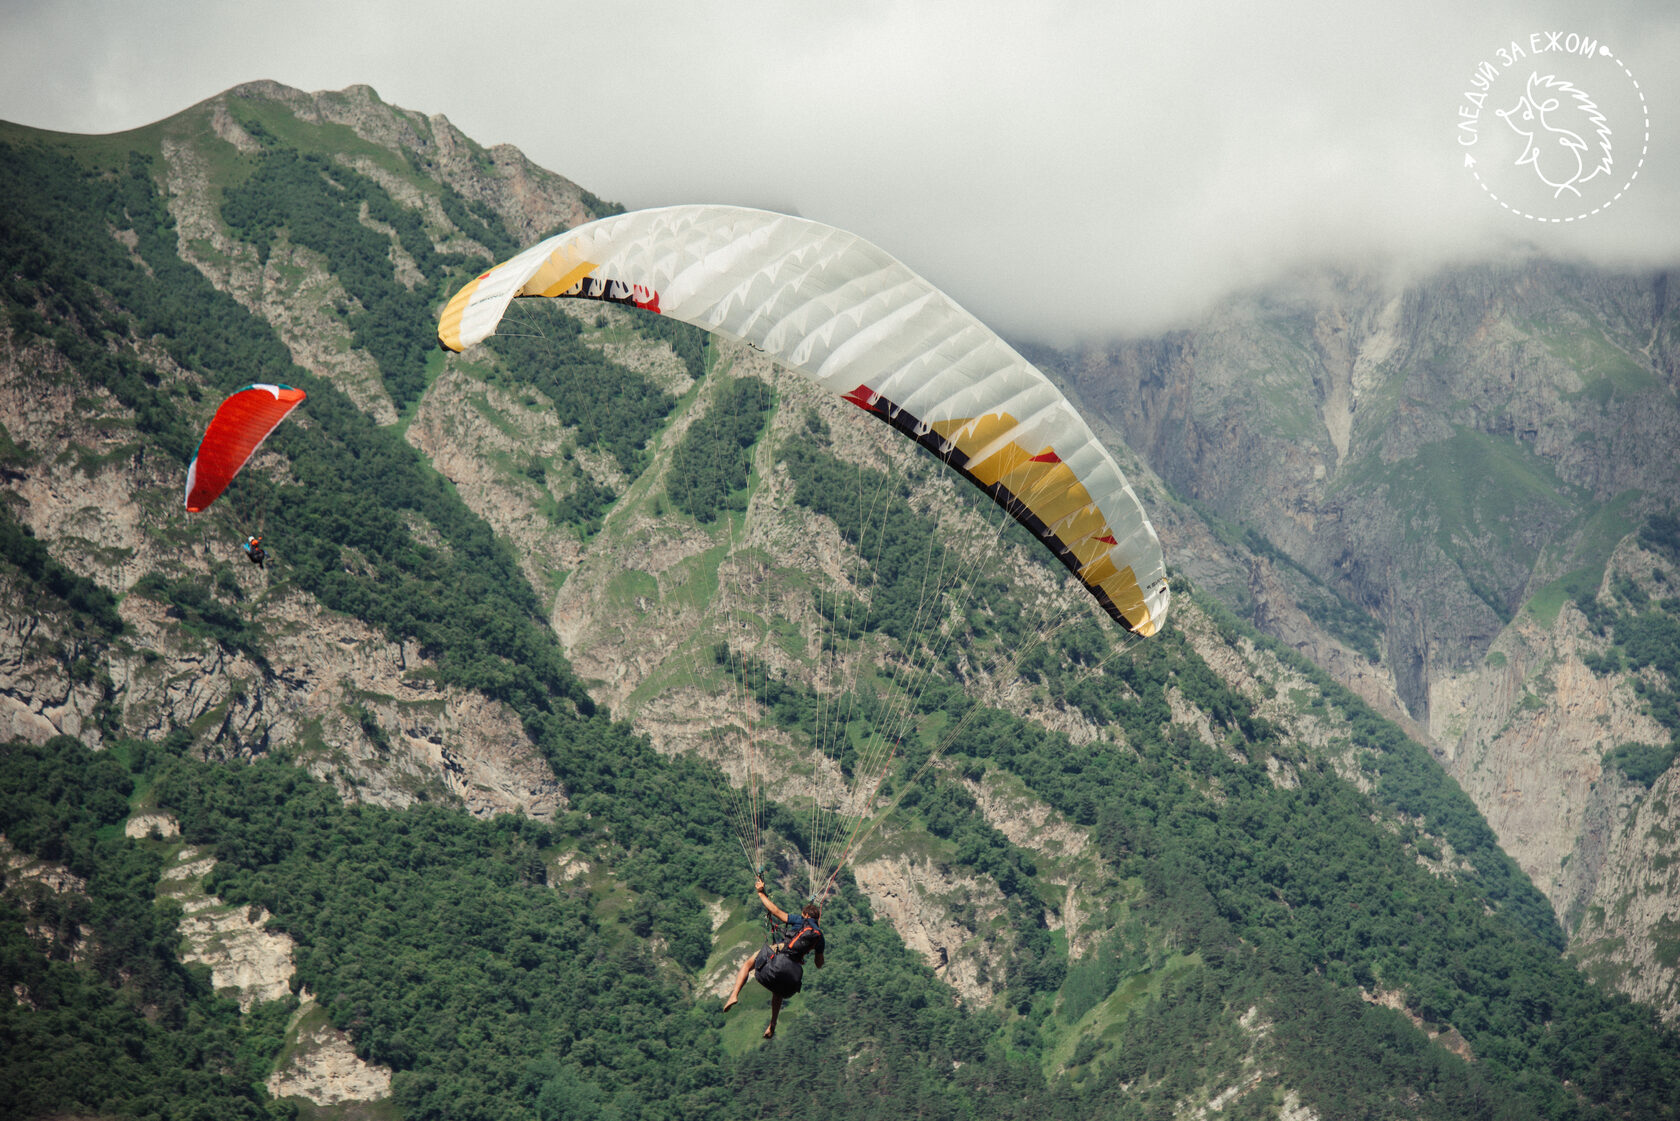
775 1010
740 980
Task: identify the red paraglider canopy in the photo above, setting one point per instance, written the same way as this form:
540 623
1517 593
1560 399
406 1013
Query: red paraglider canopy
237 430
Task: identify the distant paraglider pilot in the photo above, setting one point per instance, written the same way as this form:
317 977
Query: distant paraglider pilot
780 966
241 424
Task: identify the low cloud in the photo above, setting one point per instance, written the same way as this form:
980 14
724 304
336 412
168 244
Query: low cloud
1075 169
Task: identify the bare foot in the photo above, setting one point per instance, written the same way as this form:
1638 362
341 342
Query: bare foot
730 1003
769 1033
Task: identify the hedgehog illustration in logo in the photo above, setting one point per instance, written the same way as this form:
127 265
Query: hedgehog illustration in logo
1558 155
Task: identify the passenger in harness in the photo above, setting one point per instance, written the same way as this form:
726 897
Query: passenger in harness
780 966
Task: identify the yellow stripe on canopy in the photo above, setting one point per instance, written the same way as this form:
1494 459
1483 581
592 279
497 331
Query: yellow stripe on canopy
449 323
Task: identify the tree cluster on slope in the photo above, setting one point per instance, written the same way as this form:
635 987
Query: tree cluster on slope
711 466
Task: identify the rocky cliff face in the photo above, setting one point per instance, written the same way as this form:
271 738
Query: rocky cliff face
1525 734
324 680
254 964
533 201
1449 459
361 710
319 674
1432 452
320 1066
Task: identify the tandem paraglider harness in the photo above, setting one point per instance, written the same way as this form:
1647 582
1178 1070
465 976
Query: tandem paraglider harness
780 966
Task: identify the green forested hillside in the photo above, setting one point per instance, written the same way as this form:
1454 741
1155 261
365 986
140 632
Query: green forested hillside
1294 906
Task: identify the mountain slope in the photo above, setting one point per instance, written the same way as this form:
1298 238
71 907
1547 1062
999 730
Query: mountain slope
1195 874
1437 453
1447 483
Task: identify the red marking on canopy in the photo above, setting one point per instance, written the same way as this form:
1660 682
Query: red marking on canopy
863 397
1045 457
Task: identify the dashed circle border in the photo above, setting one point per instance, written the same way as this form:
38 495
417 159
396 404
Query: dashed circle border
1644 148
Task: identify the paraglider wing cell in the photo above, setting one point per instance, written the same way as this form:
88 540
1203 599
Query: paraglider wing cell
241 424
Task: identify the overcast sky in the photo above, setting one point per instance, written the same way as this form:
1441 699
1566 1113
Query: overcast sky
1062 168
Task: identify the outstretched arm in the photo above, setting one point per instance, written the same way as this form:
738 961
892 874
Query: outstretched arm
780 915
